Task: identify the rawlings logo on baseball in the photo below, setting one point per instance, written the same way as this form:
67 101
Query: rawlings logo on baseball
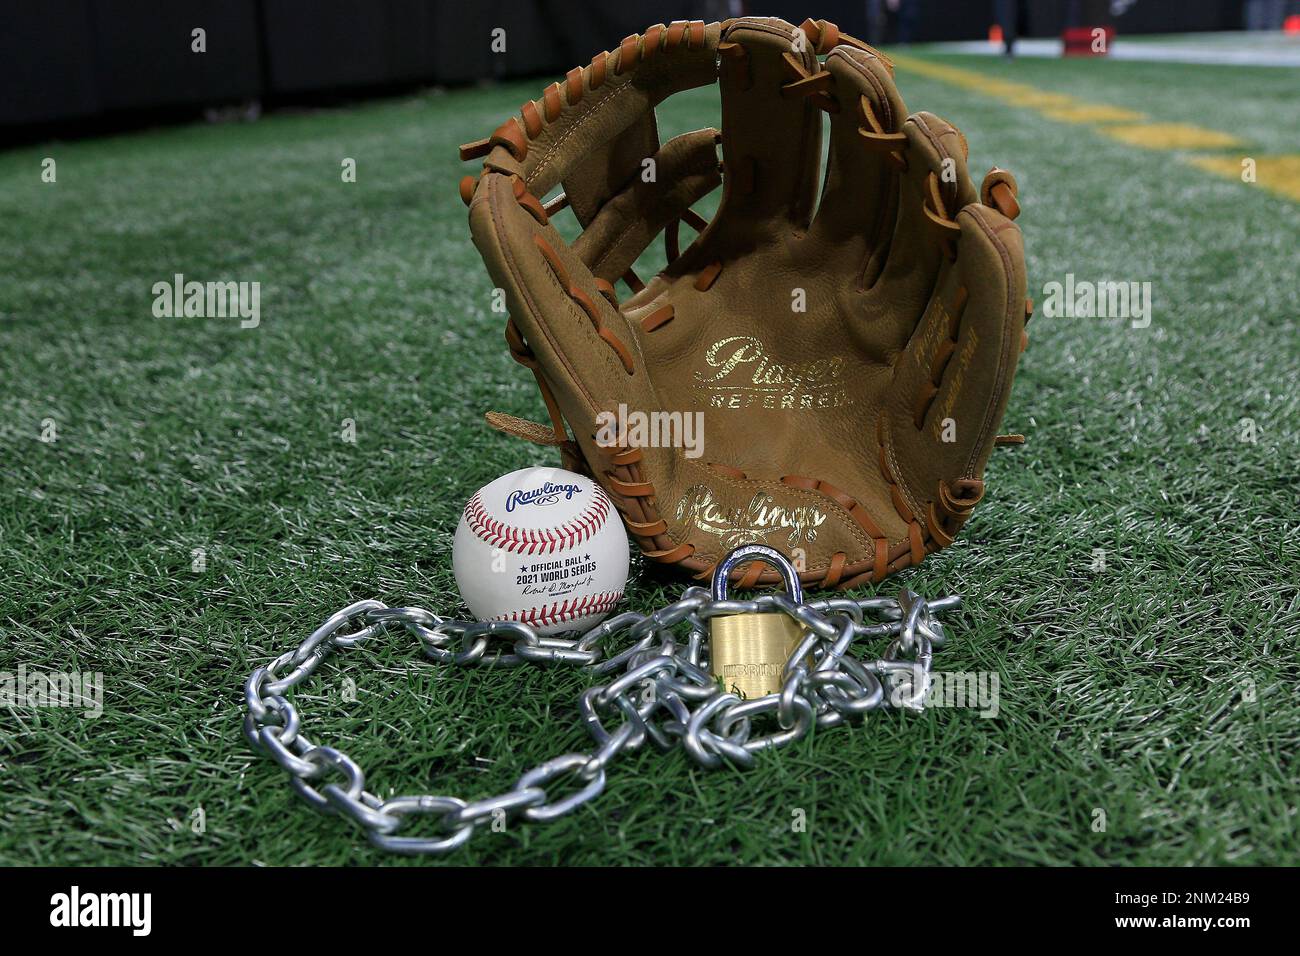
543 547
547 494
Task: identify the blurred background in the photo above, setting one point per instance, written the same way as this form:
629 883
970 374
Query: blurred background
80 67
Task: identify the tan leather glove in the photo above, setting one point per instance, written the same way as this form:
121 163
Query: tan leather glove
852 434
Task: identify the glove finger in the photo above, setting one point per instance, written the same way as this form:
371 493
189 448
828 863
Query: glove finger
596 126
950 386
687 169
771 143
933 187
859 205
560 323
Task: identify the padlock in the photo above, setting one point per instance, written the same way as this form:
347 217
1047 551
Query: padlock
749 651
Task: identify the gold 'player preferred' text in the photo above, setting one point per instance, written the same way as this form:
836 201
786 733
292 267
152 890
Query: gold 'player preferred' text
743 374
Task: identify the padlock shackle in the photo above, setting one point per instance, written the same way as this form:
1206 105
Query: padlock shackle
757 552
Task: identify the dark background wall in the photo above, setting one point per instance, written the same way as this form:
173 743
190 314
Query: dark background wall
78 63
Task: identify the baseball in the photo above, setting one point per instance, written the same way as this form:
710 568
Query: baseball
542 546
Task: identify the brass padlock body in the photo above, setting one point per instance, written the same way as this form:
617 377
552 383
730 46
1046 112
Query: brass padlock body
749 651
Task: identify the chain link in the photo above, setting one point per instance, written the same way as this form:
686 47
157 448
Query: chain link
664 694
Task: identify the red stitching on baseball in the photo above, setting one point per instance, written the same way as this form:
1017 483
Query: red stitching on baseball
568 610
533 541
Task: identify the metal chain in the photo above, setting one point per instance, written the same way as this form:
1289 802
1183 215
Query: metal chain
664 694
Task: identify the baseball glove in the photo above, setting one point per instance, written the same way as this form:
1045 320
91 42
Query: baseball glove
851 357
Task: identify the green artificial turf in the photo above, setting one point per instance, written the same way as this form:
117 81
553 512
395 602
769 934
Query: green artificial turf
1160 691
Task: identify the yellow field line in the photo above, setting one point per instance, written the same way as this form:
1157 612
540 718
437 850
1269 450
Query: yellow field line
1280 174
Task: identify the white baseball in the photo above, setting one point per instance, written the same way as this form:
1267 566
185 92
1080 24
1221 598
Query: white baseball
542 546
